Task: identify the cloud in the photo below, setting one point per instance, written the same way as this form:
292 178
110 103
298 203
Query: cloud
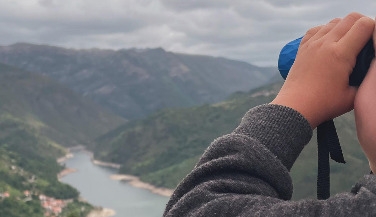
181 5
253 31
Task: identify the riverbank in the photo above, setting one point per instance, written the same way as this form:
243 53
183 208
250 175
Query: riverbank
66 157
137 183
65 172
101 212
105 164
132 180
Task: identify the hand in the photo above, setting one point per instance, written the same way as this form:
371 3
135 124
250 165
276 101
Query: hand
365 114
317 85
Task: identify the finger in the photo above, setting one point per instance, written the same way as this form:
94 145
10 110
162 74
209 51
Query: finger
357 37
326 28
344 26
310 33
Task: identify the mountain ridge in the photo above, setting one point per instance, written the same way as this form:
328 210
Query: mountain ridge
134 83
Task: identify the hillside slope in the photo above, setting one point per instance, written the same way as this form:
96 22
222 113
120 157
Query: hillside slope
37 118
164 147
136 82
28 164
56 111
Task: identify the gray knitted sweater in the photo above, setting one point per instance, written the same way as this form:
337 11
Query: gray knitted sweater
246 173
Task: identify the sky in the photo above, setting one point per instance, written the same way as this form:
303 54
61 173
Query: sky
248 30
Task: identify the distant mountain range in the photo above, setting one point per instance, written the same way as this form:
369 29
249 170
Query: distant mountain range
136 82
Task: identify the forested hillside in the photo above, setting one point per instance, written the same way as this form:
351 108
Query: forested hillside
164 147
38 117
28 164
54 110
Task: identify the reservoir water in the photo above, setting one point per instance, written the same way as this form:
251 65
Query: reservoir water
97 188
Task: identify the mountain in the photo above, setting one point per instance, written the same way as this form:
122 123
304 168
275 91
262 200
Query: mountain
37 117
136 82
164 147
57 112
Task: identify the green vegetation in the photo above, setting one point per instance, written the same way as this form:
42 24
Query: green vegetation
77 209
53 110
164 147
28 163
17 208
37 117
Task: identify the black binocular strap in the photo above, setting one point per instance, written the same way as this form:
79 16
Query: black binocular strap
328 144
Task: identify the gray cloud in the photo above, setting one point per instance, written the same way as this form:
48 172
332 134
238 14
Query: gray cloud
181 5
253 31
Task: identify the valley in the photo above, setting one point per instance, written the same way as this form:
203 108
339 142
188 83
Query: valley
152 113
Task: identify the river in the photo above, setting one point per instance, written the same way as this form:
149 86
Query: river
97 188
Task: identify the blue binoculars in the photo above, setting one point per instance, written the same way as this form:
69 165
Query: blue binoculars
363 61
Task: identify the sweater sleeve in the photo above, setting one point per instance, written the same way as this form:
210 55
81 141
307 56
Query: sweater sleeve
246 173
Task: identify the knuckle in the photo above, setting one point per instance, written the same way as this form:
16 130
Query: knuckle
366 22
341 56
354 16
335 20
337 53
313 30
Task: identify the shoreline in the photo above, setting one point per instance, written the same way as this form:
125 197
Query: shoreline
105 164
65 172
101 163
137 183
101 212
64 158
134 181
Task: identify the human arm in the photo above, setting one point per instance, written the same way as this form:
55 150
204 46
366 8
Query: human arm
246 173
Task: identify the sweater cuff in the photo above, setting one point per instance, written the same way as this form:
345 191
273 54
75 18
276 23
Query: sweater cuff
281 129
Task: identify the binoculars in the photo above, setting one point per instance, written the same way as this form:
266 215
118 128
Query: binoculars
363 61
